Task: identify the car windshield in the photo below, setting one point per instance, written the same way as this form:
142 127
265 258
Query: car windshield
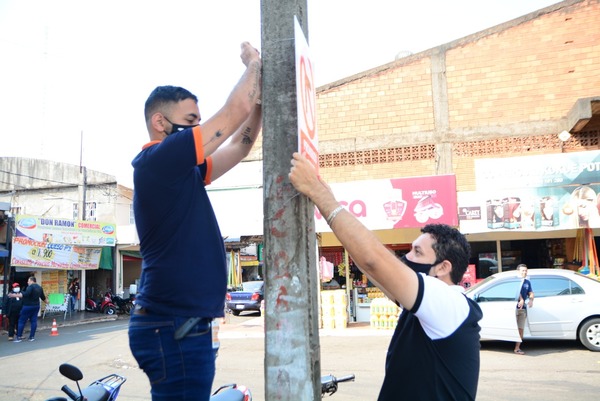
252 286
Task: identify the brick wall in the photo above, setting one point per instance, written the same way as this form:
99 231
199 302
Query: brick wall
513 83
502 92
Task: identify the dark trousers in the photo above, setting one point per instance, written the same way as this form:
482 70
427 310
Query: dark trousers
13 323
28 313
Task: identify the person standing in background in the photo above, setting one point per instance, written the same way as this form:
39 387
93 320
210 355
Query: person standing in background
526 292
12 308
31 307
74 293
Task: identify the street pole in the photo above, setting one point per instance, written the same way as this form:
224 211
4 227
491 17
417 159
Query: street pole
292 352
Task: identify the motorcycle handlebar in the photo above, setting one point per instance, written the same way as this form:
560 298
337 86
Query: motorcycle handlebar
329 383
345 378
72 395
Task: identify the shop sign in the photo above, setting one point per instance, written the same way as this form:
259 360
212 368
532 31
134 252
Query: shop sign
532 209
469 213
64 231
397 203
553 170
43 242
27 252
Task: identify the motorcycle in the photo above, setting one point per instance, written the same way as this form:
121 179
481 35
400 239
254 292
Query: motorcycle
104 305
104 389
108 387
124 305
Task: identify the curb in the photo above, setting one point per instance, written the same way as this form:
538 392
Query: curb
77 323
46 324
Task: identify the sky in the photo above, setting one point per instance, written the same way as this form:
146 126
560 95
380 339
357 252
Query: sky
74 74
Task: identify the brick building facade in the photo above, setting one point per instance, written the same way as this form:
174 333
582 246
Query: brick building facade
503 92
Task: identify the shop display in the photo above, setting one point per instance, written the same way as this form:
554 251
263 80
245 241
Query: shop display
384 314
334 309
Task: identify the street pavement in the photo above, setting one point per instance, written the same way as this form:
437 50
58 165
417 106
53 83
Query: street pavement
550 371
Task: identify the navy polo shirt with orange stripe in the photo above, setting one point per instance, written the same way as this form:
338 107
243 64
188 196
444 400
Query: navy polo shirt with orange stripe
183 269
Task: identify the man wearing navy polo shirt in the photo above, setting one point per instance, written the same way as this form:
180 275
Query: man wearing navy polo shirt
184 277
434 352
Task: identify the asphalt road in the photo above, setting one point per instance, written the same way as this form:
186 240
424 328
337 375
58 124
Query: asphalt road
550 371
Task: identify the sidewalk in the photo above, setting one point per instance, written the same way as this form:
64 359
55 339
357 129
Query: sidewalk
73 319
254 328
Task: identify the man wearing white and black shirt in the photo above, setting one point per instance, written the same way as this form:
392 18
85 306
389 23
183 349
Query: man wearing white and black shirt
434 353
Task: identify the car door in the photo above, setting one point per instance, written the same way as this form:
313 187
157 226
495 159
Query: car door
556 303
498 303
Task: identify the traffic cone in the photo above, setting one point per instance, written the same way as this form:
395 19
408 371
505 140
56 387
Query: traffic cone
54 331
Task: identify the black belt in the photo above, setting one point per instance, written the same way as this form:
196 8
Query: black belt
182 331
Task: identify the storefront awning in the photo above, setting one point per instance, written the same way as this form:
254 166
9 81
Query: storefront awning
106 259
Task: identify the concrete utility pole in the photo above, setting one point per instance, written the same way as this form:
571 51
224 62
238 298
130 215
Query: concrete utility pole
292 353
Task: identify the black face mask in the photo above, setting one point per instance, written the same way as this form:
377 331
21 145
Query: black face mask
179 127
418 267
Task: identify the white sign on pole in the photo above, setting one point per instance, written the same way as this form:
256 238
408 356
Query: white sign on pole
306 99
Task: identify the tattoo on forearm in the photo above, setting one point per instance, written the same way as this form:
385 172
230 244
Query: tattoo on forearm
214 138
246 140
252 95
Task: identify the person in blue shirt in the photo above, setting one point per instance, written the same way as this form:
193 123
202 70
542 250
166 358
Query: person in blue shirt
184 275
434 352
525 293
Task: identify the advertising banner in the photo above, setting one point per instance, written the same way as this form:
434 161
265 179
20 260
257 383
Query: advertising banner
64 231
398 202
42 242
533 193
561 169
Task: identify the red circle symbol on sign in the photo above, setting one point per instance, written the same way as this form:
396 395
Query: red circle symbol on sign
307 96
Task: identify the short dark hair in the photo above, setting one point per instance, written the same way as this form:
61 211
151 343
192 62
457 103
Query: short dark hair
32 278
161 96
452 246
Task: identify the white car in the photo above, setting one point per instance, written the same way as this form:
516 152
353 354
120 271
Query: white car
566 306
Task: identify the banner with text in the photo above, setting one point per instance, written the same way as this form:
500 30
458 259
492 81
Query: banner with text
533 193
397 203
60 243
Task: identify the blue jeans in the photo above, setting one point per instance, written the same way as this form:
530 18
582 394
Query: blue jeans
177 369
28 313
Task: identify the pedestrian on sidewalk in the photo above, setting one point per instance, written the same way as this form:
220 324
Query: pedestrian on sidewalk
12 307
31 307
434 352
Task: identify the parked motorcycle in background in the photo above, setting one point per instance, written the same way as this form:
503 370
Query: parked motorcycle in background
104 305
124 305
